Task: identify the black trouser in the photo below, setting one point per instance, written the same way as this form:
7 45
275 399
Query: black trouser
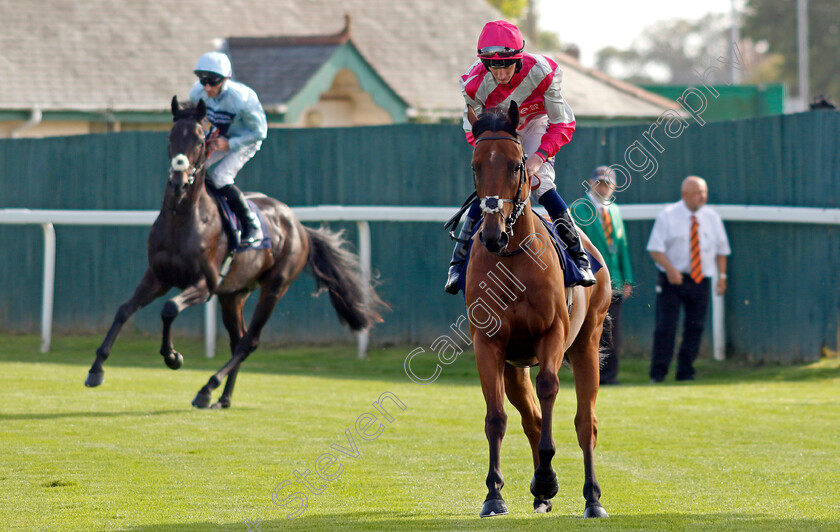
611 341
695 298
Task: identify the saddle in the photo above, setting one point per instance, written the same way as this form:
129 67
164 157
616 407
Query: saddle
233 226
571 274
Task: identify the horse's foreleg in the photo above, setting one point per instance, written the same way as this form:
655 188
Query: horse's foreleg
585 364
149 289
247 345
490 360
520 393
549 351
198 293
232 305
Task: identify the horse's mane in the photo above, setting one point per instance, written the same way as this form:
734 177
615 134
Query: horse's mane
187 111
493 120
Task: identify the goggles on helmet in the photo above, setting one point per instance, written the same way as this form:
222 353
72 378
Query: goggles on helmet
209 78
498 52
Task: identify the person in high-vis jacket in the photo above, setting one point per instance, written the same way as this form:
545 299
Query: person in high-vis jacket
238 128
504 72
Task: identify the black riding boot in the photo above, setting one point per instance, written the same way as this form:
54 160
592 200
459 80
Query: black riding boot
459 255
566 230
251 232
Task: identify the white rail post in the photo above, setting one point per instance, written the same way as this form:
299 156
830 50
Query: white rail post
210 327
48 286
718 328
364 263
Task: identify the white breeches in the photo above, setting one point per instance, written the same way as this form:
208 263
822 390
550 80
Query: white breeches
224 165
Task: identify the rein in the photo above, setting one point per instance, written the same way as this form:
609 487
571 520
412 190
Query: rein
493 204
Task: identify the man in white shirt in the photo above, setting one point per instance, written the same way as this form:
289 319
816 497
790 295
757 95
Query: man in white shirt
687 243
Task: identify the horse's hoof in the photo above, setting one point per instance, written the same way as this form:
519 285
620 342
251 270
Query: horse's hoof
544 486
218 405
596 510
202 400
493 507
542 506
174 360
94 379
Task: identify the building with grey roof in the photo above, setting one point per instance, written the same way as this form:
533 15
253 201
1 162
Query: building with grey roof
74 67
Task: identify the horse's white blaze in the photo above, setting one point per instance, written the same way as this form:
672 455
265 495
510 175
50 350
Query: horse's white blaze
180 163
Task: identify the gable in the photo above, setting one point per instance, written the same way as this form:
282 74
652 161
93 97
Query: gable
290 76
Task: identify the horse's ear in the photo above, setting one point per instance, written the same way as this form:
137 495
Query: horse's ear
471 116
175 106
200 111
513 114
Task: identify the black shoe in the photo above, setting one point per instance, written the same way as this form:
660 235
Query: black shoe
657 380
451 286
609 382
588 277
252 232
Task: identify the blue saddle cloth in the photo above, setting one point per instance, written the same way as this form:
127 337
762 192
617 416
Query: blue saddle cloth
233 226
571 274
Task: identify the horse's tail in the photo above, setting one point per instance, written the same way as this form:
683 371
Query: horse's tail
608 332
337 270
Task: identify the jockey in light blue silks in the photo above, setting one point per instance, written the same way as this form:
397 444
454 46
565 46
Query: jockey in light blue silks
238 128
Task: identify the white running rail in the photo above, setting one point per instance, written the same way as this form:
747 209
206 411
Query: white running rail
47 218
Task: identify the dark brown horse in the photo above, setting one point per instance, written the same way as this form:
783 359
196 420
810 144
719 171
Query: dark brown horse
519 318
187 247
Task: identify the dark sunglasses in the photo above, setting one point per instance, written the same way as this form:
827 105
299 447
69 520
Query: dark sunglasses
210 80
490 52
498 63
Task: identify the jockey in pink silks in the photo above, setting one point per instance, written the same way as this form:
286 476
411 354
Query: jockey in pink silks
505 73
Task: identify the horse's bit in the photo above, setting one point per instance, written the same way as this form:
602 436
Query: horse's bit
493 204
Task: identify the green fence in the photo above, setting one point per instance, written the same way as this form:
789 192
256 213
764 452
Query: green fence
784 298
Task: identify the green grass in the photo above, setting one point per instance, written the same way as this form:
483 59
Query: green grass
741 448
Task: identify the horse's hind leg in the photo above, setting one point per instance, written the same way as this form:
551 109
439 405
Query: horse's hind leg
585 365
490 371
232 305
193 295
247 344
520 393
149 289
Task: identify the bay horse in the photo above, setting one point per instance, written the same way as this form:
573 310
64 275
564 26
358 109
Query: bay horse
521 318
187 247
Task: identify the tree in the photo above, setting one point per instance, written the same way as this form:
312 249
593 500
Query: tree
547 41
774 21
669 51
512 10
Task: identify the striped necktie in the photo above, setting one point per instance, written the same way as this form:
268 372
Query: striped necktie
606 222
696 265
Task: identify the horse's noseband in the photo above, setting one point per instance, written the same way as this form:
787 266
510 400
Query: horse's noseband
181 163
490 204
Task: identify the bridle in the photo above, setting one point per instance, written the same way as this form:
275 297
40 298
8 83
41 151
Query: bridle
493 204
181 163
